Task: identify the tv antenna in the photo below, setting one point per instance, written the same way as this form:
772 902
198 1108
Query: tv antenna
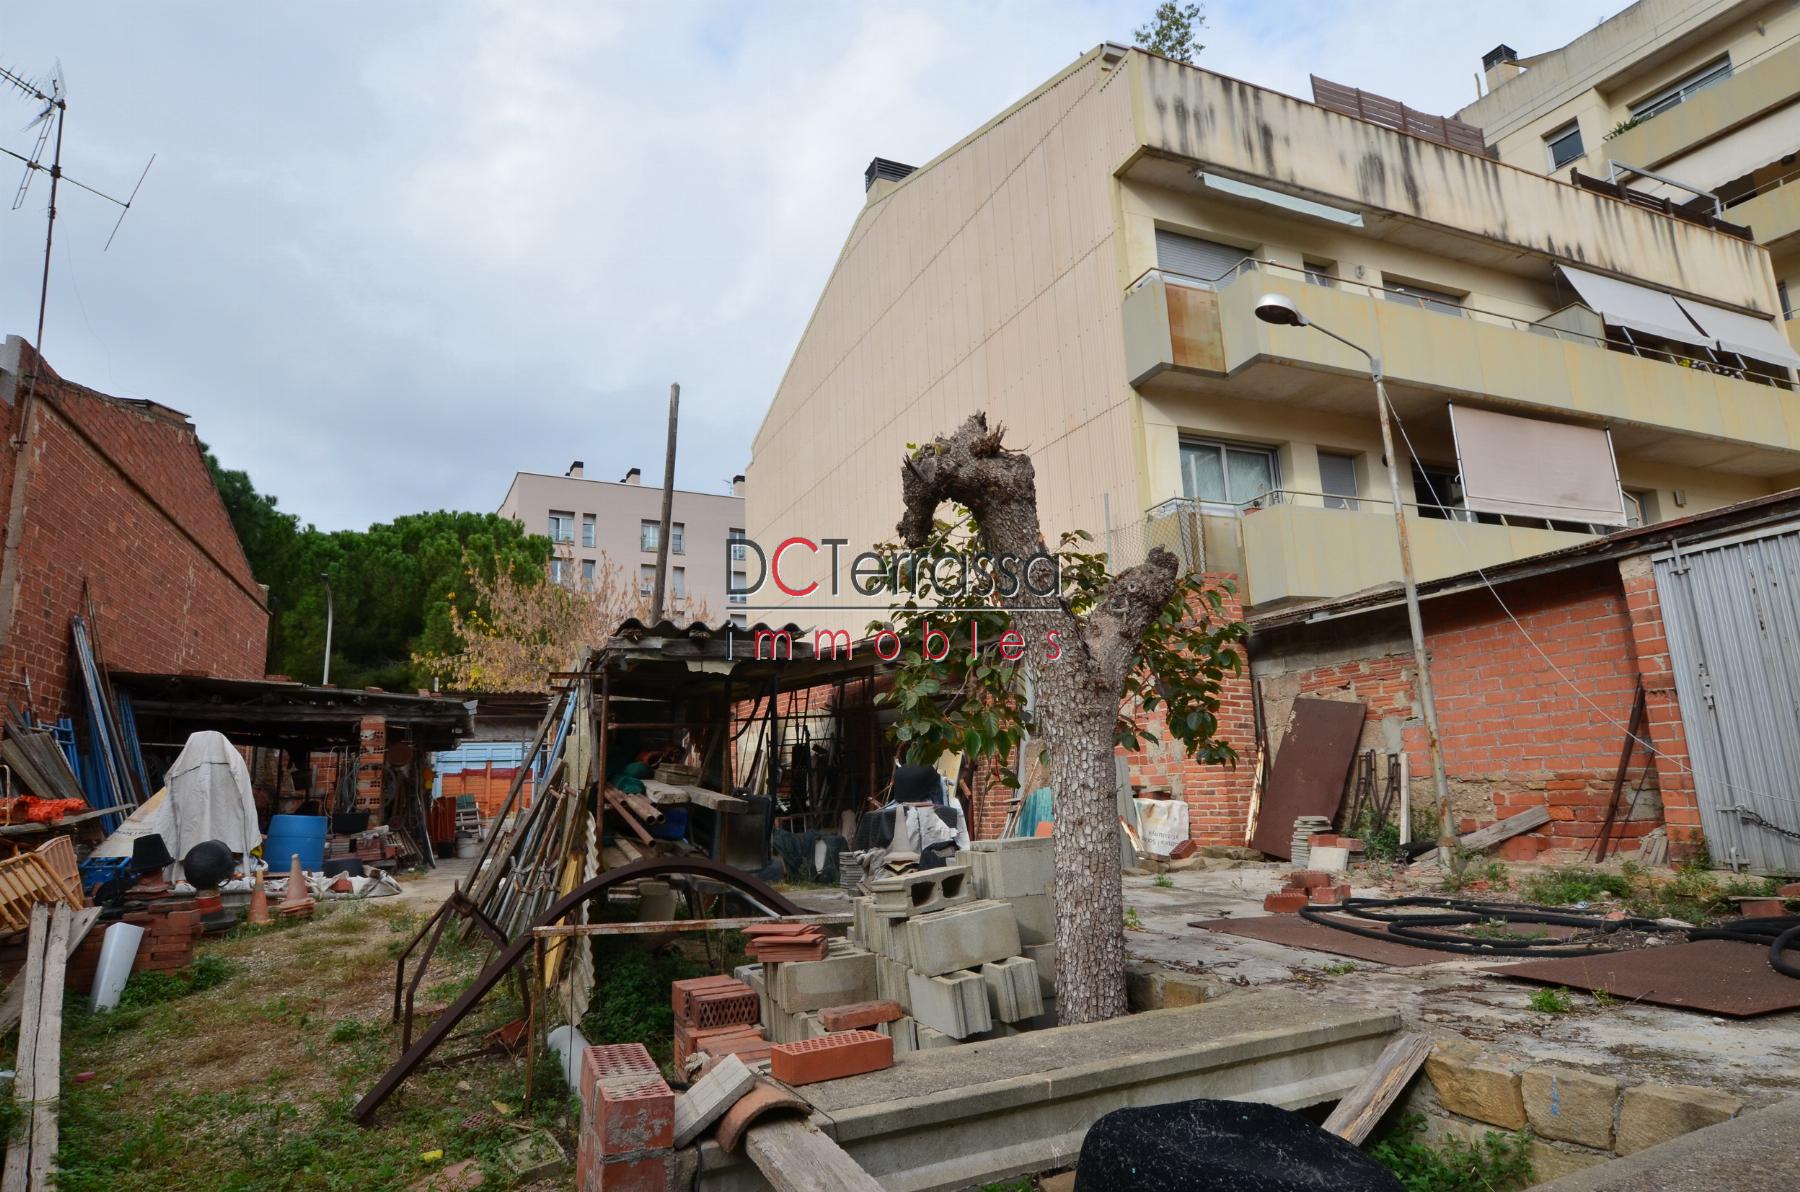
52 93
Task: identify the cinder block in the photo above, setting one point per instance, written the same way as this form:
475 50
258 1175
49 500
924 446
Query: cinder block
833 1057
1013 866
1036 916
923 891
1013 993
846 976
905 1034
887 936
1044 956
955 1004
929 1039
961 938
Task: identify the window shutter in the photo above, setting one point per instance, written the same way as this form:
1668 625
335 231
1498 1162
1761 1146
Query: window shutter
1191 256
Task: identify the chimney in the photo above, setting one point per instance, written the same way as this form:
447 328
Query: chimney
1500 64
882 170
574 470
737 485
633 477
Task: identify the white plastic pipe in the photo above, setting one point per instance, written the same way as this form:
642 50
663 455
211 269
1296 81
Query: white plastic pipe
118 949
568 1044
1405 801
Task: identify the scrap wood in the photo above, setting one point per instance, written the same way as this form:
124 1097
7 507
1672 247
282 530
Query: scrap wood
38 1085
12 1003
1486 838
794 1156
1363 1106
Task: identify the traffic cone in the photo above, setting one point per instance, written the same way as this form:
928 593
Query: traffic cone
259 901
299 900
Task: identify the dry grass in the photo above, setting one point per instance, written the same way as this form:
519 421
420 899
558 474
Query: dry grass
247 1086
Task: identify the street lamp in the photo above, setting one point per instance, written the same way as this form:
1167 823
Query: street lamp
325 678
1282 311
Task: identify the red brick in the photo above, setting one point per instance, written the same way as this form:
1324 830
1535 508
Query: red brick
1520 848
1791 890
1306 879
625 1099
1328 895
1761 908
1284 903
847 1053
638 1173
1351 843
734 1005
859 1014
681 991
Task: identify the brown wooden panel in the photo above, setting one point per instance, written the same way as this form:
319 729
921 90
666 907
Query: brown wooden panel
1310 770
1194 337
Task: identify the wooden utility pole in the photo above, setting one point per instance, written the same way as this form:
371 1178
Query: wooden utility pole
668 509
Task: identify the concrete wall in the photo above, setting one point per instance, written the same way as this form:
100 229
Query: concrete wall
114 496
619 509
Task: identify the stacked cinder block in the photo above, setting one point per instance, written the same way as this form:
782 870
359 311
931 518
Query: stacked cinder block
627 1122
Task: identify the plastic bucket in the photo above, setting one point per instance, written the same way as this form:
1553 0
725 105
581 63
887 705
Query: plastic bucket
290 834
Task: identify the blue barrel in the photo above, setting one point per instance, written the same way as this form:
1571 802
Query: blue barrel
290 834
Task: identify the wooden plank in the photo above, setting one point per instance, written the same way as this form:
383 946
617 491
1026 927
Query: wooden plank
45 1129
729 804
794 1156
12 1004
1308 774
17 1173
1506 829
1363 1106
664 795
655 927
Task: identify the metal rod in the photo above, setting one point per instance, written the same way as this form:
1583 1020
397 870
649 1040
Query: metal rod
668 508
325 676
668 926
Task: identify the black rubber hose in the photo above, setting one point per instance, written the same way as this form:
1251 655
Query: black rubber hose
1780 932
1409 929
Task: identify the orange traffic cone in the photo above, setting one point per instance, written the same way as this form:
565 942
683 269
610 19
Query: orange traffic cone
259 901
299 900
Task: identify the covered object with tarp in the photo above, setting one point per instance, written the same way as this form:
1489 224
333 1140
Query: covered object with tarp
207 796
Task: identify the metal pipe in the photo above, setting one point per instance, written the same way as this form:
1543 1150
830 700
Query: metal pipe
325 676
668 509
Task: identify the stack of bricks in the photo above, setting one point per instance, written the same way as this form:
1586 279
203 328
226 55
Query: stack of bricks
627 1136
371 762
718 1016
1306 887
171 929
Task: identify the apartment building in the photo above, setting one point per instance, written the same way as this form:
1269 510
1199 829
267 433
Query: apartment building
596 522
1086 268
1690 104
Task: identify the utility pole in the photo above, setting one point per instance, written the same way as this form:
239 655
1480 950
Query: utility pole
325 678
668 509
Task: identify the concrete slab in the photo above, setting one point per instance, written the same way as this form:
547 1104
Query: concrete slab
1752 1151
999 1108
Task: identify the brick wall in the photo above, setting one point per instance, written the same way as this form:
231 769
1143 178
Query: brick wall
118 498
1681 806
1517 730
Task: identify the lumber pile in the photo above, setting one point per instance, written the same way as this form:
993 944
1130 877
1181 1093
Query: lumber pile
31 1157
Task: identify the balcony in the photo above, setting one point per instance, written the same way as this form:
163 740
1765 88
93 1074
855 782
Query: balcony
1773 212
1185 336
1293 550
1756 86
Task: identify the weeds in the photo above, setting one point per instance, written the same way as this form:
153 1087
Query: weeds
1163 881
1604 1000
1551 1001
1499 931
1498 1163
1339 968
1132 921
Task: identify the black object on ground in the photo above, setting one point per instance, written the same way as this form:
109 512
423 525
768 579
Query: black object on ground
1294 932
1780 932
1430 922
344 866
150 853
1221 1146
207 864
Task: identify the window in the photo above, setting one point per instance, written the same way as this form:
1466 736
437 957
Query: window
562 527
740 580
1442 301
1318 273
556 571
736 537
646 579
678 582
587 572
1787 308
1226 473
1682 89
676 546
1640 509
649 534
1564 145
1192 257
1337 480
587 530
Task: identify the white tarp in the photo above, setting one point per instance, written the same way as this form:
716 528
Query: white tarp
1628 304
207 796
1744 334
1526 467
1162 824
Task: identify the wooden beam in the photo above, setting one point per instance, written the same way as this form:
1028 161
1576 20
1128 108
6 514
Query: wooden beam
667 926
794 1156
1485 838
38 1084
12 1003
1358 1112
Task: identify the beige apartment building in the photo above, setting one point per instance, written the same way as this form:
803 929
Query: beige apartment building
593 522
1086 266
1690 103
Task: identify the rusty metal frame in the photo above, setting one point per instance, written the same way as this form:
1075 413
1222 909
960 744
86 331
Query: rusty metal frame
404 991
512 952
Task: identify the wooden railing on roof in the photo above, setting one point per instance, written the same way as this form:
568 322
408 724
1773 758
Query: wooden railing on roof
1391 113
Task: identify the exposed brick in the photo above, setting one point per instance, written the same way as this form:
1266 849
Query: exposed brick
625 1100
1306 879
1761 908
1285 902
1790 890
859 1014
1328 895
847 1053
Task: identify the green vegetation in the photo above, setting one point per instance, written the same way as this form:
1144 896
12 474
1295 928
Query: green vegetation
1339 968
1551 1001
1494 874
1694 894
1164 882
1500 931
1132 921
1563 887
631 988
1498 1163
392 584
1171 29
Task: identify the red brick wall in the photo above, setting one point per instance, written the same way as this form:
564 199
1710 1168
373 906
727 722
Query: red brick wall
1517 733
1681 807
118 498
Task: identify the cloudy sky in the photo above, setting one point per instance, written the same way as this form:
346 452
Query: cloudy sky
391 253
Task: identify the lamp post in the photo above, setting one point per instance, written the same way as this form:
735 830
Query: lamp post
1282 311
325 678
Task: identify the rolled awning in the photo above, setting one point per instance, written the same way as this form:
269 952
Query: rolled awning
1739 152
1627 304
1747 335
1527 467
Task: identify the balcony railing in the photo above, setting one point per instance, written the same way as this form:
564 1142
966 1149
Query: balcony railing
1721 364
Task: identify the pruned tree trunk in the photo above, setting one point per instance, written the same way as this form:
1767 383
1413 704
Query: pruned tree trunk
1078 693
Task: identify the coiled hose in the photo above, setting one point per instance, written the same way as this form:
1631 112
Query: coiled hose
1396 919
1780 932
